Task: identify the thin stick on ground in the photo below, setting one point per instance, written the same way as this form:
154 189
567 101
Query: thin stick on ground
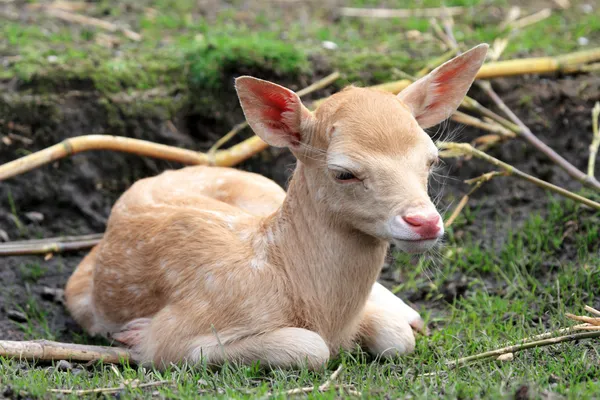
46 350
324 387
595 140
437 29
318 85
592 310
526 133
562 331
450 149
49 245
349 389
80 144
400 13
494 127
524 346
479 181
131 385
90 21
587 320
531 19
544 339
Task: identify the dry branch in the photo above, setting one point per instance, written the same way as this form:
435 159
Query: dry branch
587 320
50 245
595 140
592 310
46 350
131 385
531 19
450 149
90 21
400 13
480 180
524 346
349 389
80 144
526 133
544 339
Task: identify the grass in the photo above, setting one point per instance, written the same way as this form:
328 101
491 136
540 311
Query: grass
189 54
181 47
476 295
518 287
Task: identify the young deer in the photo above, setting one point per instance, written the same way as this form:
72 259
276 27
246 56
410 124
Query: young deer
221 264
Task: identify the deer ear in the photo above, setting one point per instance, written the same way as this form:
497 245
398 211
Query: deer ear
436 96
274 113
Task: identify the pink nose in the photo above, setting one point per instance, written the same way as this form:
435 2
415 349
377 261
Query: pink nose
425 225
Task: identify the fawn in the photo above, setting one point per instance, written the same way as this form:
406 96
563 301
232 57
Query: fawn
219 264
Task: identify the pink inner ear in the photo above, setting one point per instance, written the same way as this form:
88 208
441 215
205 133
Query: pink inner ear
443 84
445 77
275 103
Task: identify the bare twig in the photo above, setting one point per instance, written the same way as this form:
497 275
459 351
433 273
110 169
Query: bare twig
450 149
50 245
324 387
400 13
90 21
526 133
226 138
63 5
512 15
79 144
131 385
595 140
478 182
46 350
587 320
523 346
476 122
562 331
564 4
531 19
437 29
449 30
592 310
320 84
544 339
473 105
459 207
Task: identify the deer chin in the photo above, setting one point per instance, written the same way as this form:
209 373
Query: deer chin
417 246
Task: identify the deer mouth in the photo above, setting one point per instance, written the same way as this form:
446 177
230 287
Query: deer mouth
415 246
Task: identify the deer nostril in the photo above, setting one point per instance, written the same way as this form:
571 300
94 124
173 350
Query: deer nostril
417 220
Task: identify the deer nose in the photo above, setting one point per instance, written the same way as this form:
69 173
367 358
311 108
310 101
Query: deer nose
427 226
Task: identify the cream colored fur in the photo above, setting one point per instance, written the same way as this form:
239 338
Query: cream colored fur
219 264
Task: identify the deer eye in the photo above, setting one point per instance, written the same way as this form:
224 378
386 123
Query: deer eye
345 176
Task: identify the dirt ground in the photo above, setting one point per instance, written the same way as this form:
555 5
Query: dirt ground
74 196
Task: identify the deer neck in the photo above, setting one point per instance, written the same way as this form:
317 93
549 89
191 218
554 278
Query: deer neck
331 267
